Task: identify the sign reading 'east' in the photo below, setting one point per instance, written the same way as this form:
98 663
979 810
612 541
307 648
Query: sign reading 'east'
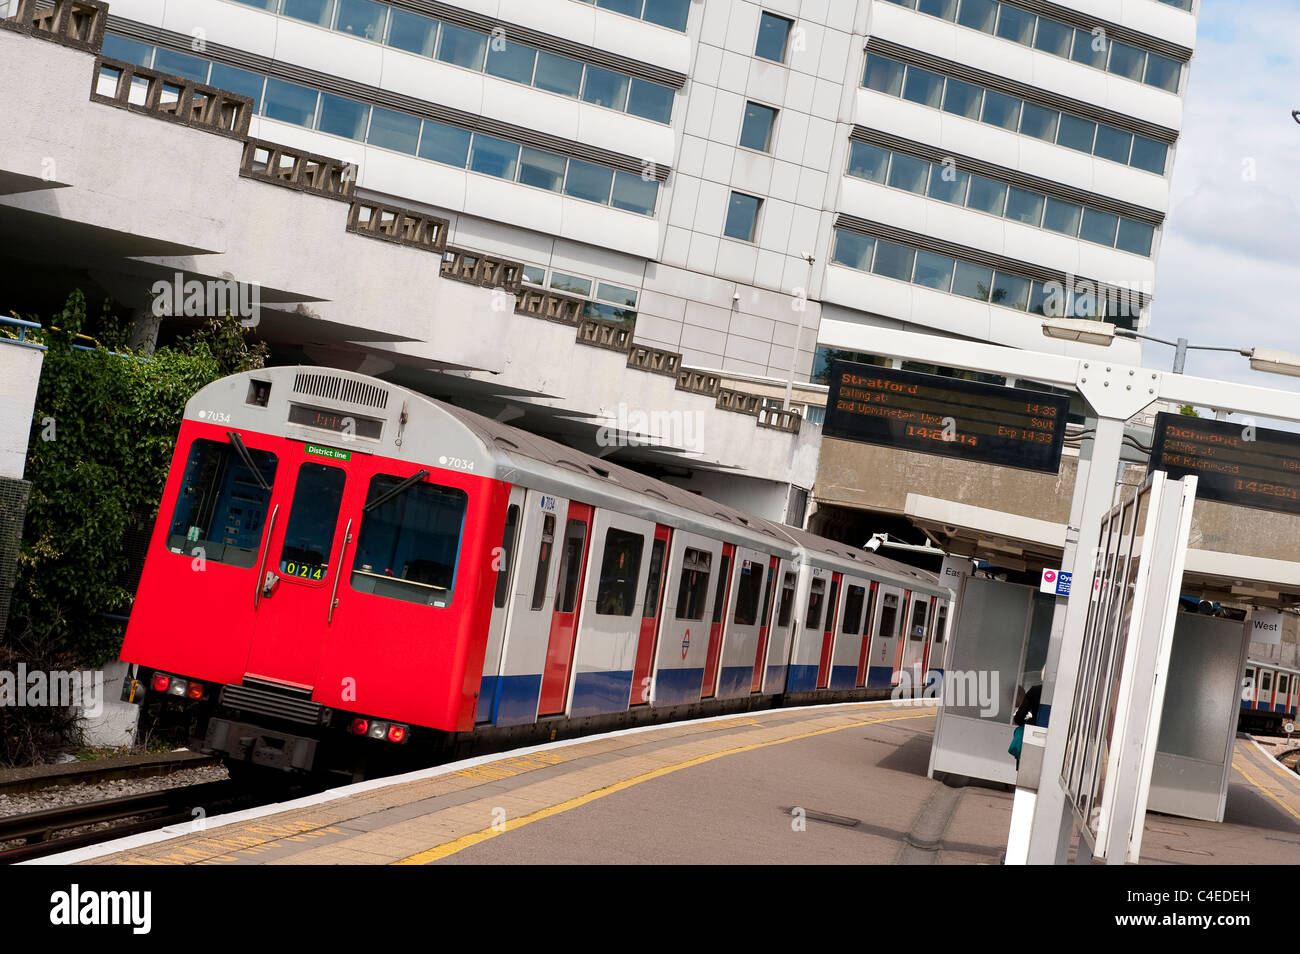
1236 463
953 417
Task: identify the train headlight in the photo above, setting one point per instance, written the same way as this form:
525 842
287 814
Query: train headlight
378 730
161 681
178 687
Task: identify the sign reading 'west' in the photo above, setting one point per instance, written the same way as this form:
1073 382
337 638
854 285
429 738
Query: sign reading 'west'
953 417
1236 463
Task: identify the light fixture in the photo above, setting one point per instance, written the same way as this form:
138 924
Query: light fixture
1274 361
1083 330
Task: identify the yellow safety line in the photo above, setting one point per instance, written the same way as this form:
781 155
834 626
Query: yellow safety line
467 841
1281 771
1246 775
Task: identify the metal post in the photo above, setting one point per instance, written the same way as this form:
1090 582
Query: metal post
1049 840
1180 356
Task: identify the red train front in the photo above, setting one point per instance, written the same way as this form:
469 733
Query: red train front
302 521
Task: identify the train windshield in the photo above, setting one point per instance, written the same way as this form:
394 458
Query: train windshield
222 506
305 554
409 543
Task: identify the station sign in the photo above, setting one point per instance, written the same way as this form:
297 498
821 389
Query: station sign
1236 463
1266 627
1055 583
951 417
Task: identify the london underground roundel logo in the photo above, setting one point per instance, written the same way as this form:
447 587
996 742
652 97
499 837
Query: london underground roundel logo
686 643
1049 576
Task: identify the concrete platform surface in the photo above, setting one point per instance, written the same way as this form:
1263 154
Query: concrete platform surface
841 784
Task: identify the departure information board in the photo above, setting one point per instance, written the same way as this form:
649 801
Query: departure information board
1236 463
951 417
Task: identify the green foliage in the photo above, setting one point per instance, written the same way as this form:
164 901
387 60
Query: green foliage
102 436
1188 410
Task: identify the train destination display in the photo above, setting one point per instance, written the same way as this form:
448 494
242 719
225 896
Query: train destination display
1236 463
952 417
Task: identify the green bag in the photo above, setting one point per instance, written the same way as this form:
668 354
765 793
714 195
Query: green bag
1017 740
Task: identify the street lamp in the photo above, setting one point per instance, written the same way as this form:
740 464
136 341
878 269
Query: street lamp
1102 333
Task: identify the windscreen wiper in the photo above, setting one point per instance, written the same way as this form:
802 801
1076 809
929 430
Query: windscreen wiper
247 458
390 494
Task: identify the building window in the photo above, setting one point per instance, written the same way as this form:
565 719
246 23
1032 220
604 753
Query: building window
756 131
773 36
742 217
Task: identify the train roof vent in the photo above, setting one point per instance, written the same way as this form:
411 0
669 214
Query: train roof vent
506 443
657 493
598 471
338 388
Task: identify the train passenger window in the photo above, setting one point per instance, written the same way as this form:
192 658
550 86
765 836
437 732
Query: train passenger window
721 594
693 588
816 597
620 568
409 543
918 620
651 607
504 558
940 623
1266 681
1282 684
832 605
787 601
889 617
853 604
767 596
747 593
566 593
309 536
222 505
543 561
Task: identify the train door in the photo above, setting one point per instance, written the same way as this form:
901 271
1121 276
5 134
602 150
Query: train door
564 622
604 656
937 657
769 596
779 647
721 602
1281 703
504 559
1248 683
911 648
681 647
807 643
1265 697
741 623
929 642
864 652
846 654
299 564
885 638
651 610
828 634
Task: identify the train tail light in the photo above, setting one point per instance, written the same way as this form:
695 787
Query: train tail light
359 726
397 733
161 681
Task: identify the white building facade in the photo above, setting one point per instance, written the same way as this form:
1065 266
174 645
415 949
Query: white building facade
715 176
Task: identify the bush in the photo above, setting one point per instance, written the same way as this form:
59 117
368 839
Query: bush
102 437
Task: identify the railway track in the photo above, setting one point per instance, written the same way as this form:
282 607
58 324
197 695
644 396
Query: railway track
35 834
91 773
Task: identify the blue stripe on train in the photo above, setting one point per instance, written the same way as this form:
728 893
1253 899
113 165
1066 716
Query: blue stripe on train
801 679
880 677
516 699
676 686
843 677
774 678
598 692
735 681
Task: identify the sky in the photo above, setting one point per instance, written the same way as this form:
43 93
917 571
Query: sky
1228 270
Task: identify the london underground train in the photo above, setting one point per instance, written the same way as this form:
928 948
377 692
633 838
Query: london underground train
1270 696
341 566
